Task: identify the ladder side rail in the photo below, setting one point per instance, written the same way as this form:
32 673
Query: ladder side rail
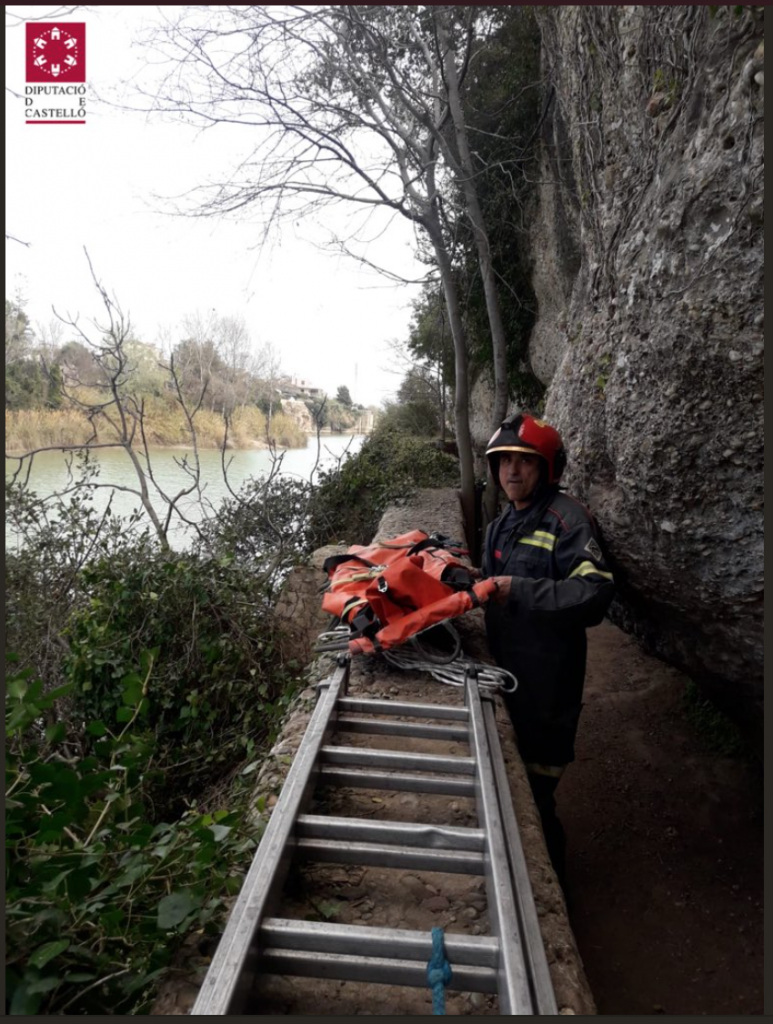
513 982
230 977
536 960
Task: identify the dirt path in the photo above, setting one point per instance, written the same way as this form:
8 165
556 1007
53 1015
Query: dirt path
665 869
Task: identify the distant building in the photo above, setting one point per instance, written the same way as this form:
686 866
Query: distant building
364 424
297 387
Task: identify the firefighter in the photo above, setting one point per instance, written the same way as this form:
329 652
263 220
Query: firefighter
553 582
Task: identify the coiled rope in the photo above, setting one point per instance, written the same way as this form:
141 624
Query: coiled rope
411 657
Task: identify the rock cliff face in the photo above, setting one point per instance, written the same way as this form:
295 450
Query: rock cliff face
647 265
297 409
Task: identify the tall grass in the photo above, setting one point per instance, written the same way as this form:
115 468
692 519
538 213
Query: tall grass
286 432
165 425
40 428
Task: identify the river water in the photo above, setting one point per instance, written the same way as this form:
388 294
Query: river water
49 474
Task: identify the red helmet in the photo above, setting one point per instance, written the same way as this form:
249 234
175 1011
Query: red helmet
524 433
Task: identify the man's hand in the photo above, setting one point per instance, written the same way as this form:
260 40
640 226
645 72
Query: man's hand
502 594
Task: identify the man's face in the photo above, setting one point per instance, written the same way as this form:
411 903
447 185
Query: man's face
519 474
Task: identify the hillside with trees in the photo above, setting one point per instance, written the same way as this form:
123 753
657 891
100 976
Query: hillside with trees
56 380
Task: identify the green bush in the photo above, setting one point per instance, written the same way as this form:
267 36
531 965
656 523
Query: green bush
350 501
99 895
417 416
218 684
173 683
263 528
53 541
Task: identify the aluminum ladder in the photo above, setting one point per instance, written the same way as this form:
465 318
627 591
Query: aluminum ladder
509 962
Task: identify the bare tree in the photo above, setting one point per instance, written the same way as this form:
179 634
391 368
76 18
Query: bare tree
196 356
50 339
268 370
345 110
14 20
19 336
234 347
117 417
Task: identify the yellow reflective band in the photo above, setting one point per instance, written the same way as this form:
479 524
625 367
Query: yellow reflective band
585 568
536 542
544 535
555 771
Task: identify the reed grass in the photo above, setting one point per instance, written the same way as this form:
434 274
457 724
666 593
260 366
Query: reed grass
165 426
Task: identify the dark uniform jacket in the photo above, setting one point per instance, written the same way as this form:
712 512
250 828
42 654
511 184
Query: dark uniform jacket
561 584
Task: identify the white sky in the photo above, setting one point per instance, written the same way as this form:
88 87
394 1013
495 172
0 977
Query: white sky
70 186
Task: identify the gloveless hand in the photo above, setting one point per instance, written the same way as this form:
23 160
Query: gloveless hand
502 594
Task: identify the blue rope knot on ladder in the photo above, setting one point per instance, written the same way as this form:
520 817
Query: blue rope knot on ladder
439 972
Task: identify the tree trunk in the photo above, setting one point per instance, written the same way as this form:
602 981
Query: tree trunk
442 381
462 390
467 180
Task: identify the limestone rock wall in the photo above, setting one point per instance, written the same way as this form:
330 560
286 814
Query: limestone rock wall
647 264
298 410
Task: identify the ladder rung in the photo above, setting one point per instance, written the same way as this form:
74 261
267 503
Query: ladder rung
356 778
368 757
403 833
378 970
400 943
385 855
351 723
393 707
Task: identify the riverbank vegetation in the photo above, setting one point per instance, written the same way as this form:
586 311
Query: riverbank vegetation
145 688
165 426
57 382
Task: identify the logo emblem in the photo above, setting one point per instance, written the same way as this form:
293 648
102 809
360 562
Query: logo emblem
594 550
56 52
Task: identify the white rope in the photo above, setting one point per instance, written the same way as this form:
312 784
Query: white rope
490 677
454 673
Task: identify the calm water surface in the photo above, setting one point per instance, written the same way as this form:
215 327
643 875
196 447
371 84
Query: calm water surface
49 473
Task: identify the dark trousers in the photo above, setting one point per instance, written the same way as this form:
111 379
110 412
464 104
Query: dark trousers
543 788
